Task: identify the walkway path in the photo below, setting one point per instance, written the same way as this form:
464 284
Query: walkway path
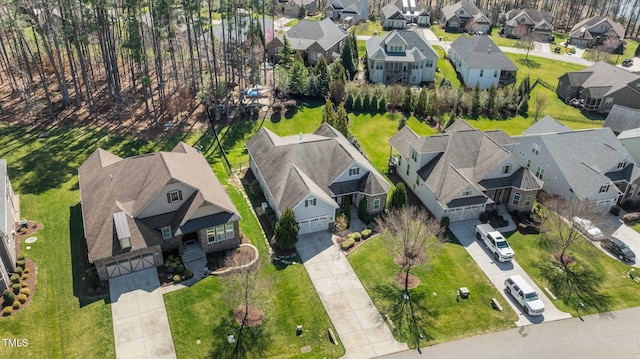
498 272
140 324
599 336
357 321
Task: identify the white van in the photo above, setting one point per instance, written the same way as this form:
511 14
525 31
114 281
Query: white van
524 294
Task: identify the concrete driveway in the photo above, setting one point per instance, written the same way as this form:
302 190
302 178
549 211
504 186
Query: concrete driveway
358 323
140 324
498 272
612 226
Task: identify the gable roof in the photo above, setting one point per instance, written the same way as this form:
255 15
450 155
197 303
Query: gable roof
307 32
590 25
451 10
416 46
585 157
350 6
622 118
547 124
601 79
109 185
294 166
461 159
406 8
538 18
481 52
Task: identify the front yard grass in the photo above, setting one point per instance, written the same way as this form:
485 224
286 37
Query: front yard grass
443 318
615 290
443 35
368 29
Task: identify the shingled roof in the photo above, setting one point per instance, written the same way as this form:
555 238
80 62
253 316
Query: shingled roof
110 184
294 166
307 32
481 52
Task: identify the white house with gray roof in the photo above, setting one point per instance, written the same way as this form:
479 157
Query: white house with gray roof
314 174
462 16
479 61
403 56
397 14
590 165
9 216
312 39
463 172
350 11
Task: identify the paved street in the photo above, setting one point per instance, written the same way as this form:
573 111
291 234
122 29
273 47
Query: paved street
606 335
498 272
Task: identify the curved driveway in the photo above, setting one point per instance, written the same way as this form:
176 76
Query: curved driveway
498 272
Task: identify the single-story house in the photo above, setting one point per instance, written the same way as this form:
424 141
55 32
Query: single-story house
597 31
479 61
600 86
403 56
135 208
590 165
314 174
536 23
463 172
9 217
313 39
464 16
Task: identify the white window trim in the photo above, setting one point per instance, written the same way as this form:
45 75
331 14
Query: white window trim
221 232
376 203
516 199
310 202
164 230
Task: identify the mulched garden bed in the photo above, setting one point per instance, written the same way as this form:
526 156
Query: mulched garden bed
253 317
32 227
31 284
413 280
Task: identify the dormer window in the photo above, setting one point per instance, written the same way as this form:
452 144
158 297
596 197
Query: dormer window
621 164
604 188
310 202
174 196
466 193
506 169
354 171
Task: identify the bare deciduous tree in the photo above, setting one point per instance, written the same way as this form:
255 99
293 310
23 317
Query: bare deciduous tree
525 41
249 285
539 104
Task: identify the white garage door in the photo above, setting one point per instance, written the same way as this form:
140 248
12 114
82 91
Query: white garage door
126 266
462 213
313 225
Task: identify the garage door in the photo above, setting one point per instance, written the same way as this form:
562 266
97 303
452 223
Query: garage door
463 213
313 225
129 265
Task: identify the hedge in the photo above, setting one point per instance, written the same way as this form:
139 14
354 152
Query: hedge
347 244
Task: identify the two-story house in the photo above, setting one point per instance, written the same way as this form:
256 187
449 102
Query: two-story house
314 175
464 16
596 31
479 61
589 165
535 23
599 87
463 172
349 11
312 39
134 208
9 216
403 56
299 8
398 13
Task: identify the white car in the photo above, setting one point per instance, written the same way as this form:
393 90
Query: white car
588 229
524 294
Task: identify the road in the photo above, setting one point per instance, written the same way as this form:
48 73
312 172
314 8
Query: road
605 335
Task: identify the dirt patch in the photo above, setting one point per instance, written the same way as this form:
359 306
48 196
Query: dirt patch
413 280
251 318
31 228
220 261
31 284
568 260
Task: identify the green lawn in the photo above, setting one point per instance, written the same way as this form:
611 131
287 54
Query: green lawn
443 35
502 41
614 288
292 23
445 69
368 29
362 48
442 317
539 67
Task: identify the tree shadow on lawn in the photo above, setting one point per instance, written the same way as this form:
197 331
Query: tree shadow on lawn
235 133
79 261
409 313
248 342
529 63
578 283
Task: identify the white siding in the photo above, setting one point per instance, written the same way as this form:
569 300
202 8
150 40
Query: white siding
159 204
633 147
485 81
344 176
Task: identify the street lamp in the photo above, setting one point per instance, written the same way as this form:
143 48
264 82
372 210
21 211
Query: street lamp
580 305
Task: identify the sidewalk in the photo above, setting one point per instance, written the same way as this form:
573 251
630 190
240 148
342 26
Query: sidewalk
358 324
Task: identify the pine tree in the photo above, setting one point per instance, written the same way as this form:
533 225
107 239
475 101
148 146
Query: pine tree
346 58
286 232
362 208
475 103
328 113
298 76
421 106
491 100
322 72
342 120
338 72
399 197
407 104
286 55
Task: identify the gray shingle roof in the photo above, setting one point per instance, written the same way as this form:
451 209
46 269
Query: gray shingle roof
307 32
481 52
295 166
547 124
622 118
470 7
591 26
537 17
109 185
603 78
585 157
417 47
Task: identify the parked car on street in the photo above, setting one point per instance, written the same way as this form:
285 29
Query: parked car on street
588 229
524 294
627 62
619 249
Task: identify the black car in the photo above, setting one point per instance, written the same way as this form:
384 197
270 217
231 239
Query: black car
619 249
627 62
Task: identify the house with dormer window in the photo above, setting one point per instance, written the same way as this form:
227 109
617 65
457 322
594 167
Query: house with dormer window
347 11
135 208
314 175
538 24
596 31
464 16
403 56
463 172
590 165
399 13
